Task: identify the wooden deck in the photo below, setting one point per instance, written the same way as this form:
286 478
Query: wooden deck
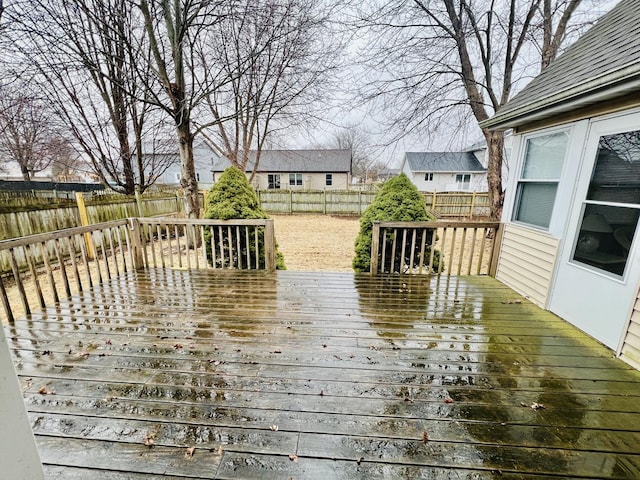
320 376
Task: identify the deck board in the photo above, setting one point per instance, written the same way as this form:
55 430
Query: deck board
301 375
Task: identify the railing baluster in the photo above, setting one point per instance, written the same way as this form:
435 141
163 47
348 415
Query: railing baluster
161 242
179 247
204 245
444 243
238 253
403 250
112 251
170 245
257 239
49 270
413 248
246 238
473 250
120 230
383 262
18 279
464 237
5 302
63 269
34 275
393 250
230 245
85 261
72 255
191 229
423 245
221 242
96 257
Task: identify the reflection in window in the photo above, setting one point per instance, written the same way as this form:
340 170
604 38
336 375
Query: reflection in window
612 206
538 183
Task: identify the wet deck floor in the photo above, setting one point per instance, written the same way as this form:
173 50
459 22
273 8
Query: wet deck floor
320 376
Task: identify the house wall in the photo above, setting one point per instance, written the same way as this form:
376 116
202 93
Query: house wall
203 159
310 181
630 349
446 182
18 455
527 261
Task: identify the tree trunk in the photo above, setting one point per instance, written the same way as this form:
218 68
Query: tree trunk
188 180
25 173
495 149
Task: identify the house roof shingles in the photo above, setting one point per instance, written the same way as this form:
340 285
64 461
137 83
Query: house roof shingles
302 161
443 162
607 56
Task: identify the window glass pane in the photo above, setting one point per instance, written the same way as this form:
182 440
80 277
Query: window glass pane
535 203
329 179
605 237
544 156
616 175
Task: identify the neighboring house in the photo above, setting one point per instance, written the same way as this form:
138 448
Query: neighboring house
446 171
166 152
573 200
385 174
299 169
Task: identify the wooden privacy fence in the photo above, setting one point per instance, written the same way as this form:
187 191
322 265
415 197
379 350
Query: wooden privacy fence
332 202
47 267
459 248
458 204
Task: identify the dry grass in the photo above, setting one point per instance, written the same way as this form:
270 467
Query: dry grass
315 243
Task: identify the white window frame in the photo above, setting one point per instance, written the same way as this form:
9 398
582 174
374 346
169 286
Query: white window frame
273 181
295 179
519 180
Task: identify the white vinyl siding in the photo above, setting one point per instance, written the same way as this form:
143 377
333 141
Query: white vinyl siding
630 351
527 261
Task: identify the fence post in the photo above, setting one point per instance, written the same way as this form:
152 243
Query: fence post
139 201
269 246
84 221
434 199
136 243
324 196
375 246
360 202
290 201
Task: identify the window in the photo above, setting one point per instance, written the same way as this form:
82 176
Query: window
197 177
295 179
178 177
538 181
328 179
612 207
273 179
428 177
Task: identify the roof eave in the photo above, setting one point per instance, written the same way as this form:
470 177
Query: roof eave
599 90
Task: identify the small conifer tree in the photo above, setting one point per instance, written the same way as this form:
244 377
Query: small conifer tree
397 201
232 197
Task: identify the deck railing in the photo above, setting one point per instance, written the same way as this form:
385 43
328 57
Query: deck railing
458 248
39 270
197 243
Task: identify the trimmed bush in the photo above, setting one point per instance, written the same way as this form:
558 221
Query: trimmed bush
397 201
232 197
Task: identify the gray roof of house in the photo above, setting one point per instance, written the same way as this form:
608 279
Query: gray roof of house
299 161
443 162
601 65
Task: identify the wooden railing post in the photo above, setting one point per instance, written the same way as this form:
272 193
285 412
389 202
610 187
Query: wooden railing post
139 202
136 243
375 246
495 251
84 221
473 205
269 246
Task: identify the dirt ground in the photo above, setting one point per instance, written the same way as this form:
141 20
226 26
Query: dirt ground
316 242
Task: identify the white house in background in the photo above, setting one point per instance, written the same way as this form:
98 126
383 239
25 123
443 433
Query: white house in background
204 157
298 169
447 171
573 198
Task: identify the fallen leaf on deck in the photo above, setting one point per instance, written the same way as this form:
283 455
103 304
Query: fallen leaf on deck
45 391
277 350
522 404
448 400
537 406
425 437
359 461
407 399
177 346
293 458
321 393
149 440
220 450
82 354
274 428
108 341
190 451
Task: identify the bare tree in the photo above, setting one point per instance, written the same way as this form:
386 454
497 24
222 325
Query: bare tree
278 57
436 62
28 136
79 54
364 164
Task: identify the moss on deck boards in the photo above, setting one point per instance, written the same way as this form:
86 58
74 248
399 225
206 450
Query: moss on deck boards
317 375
